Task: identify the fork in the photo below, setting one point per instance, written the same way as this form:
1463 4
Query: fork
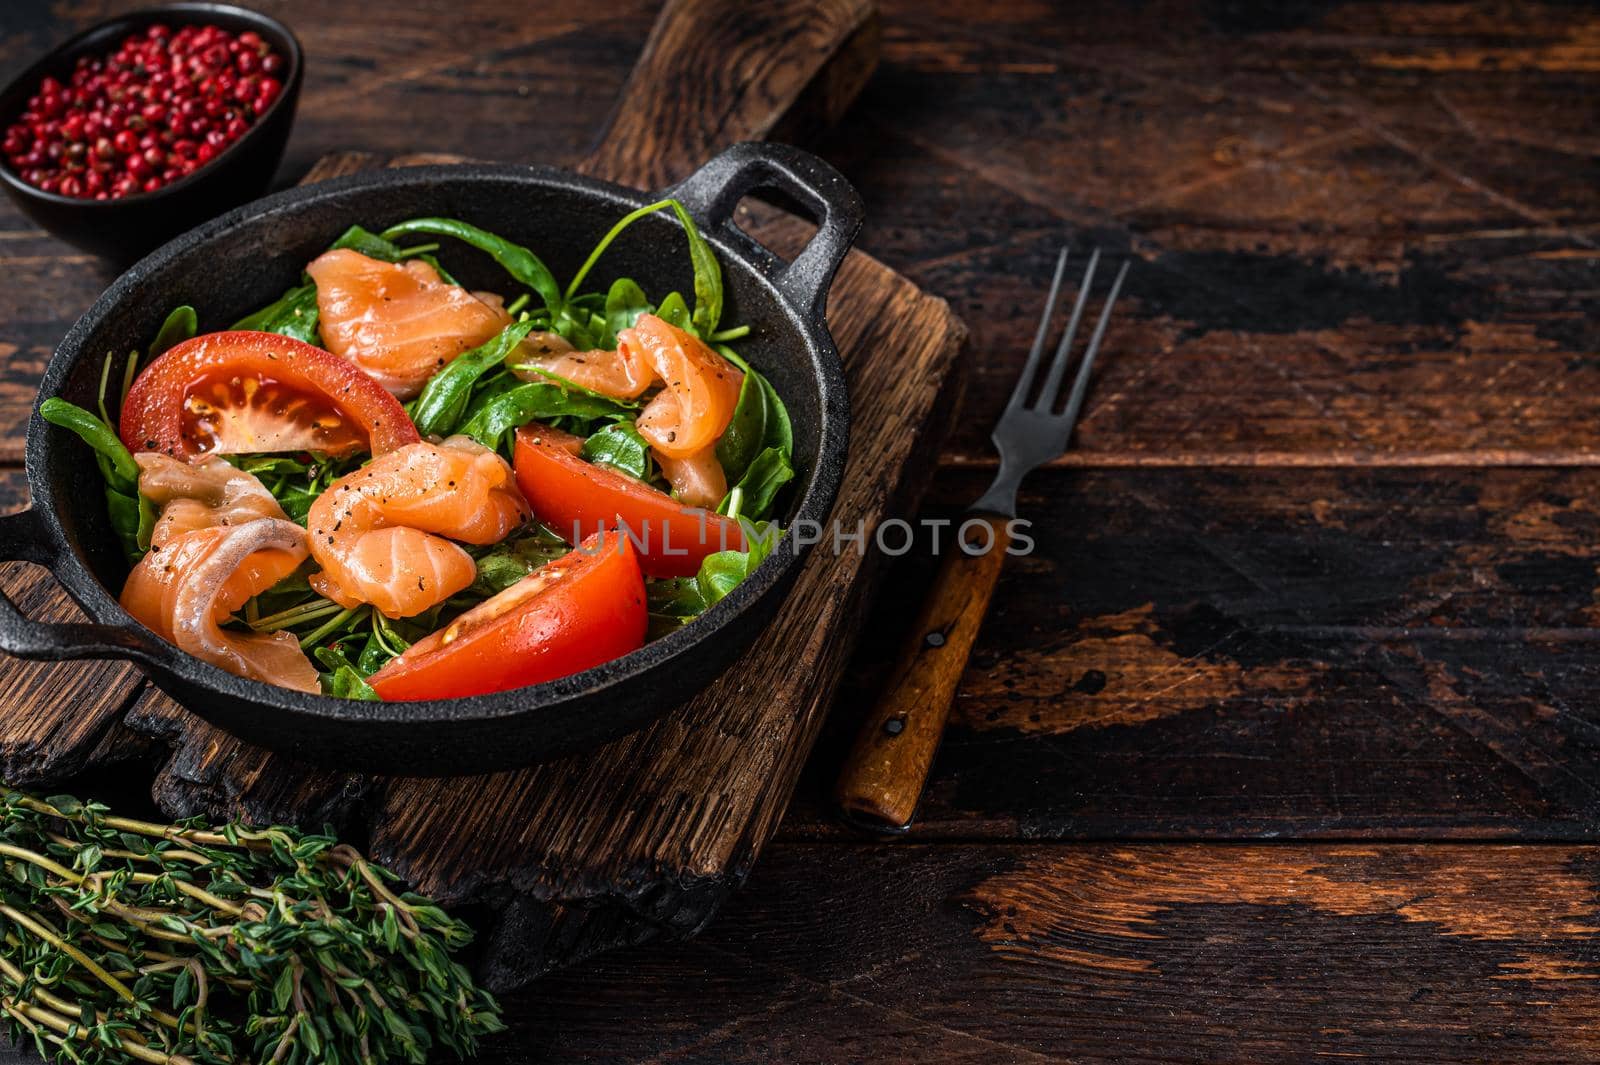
884 774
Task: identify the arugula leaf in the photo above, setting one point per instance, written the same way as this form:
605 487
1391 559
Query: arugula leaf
723 571
181 325
619 445
707 273
344 680
368 243
443 403
746 433
294 314
131 516
517 261
496 412
755 492
779 431
294 484
514 558
676 312
625 302
677 601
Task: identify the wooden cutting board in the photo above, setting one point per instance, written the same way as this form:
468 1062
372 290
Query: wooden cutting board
650 833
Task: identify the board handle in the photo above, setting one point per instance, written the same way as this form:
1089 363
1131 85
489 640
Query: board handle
714 73
23 539
887 768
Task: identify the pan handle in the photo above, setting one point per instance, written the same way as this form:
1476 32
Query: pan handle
23 539
712 192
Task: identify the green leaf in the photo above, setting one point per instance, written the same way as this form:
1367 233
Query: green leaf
368 243
517 261
620 446
494 414
343 681
625 302
117 464
779 431
675 311
442 406
758 489
516 557
746 433
723 571
294 314
181 325
283 989
707 273
362 240
131 517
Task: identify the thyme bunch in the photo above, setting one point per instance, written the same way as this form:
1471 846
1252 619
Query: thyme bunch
128 941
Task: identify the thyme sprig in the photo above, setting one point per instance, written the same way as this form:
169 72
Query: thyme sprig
129 941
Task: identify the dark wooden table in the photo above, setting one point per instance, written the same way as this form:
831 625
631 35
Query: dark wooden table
1284 744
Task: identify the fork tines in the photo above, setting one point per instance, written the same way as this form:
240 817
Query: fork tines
1049 393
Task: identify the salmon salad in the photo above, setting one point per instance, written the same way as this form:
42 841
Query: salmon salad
385 485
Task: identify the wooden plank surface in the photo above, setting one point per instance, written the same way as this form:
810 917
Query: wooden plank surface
1363 325
1109 953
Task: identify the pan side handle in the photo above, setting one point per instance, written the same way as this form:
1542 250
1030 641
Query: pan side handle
23 539
712 192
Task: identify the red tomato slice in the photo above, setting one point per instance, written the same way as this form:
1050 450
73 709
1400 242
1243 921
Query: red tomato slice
243 392
583 609
577 498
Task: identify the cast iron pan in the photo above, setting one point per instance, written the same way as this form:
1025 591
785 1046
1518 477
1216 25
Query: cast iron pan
245 259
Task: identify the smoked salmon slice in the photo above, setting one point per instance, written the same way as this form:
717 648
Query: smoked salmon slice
621 374
400 322
184 588
219 539
699 389
698 479
199 495
380 533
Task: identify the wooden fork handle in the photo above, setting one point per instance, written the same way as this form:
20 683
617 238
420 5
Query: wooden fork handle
885 772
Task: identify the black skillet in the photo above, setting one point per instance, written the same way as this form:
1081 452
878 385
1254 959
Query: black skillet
244 259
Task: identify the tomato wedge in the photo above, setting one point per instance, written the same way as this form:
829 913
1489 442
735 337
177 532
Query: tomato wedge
577 498
578 611
243 392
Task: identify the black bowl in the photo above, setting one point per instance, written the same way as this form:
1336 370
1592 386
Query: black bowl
247 258
124 229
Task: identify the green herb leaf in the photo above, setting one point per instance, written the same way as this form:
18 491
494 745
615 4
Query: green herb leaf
131 517
625 302
368 243
707 273
181 325
294 314
516 557
758 489
494 414
116 461
517 261
442 406
620 446
675 311
343 681
746 433
723 571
